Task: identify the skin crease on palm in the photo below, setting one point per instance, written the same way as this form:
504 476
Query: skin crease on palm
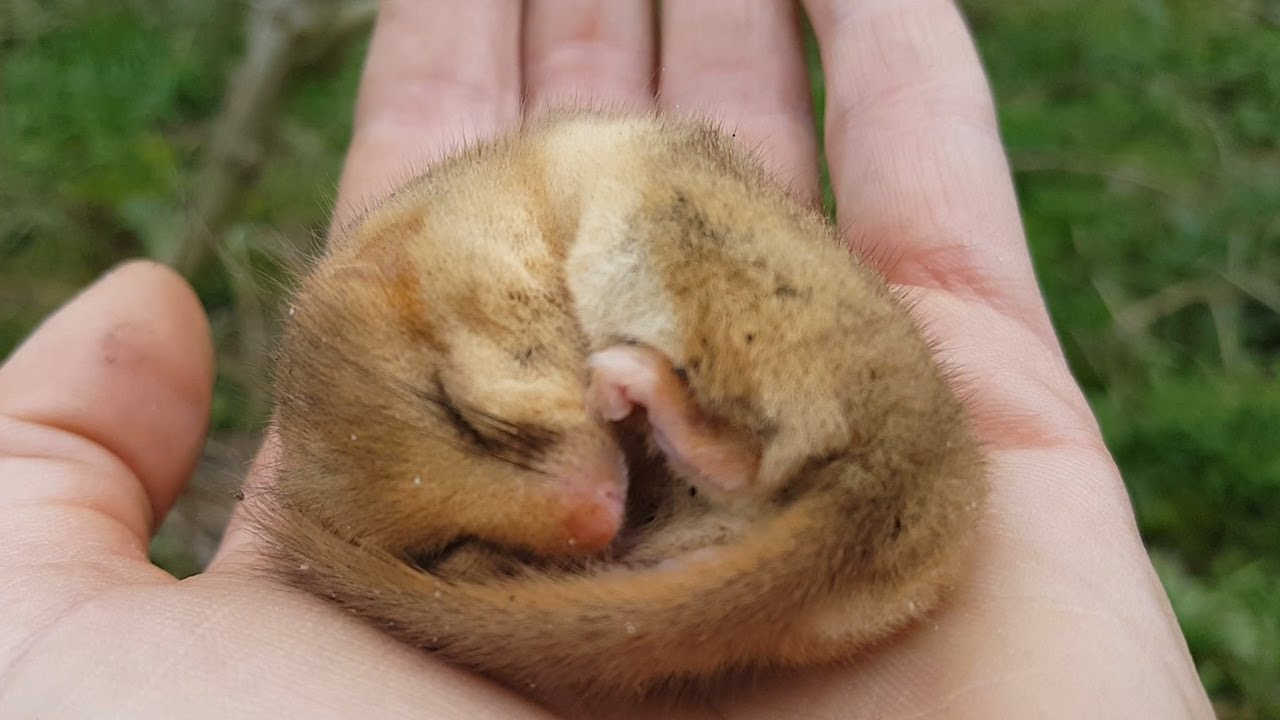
103 410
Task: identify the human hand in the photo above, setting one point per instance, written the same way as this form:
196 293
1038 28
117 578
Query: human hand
103 410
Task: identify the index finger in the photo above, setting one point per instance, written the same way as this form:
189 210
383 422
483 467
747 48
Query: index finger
917 164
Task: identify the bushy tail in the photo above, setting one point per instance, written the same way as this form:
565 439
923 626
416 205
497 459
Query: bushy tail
618 632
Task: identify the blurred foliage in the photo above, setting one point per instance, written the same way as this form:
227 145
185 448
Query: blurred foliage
1145 140
105 107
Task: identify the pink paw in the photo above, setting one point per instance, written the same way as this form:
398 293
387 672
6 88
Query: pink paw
625 377
621 379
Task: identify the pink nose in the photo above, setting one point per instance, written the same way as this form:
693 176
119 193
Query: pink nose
595 483
594 519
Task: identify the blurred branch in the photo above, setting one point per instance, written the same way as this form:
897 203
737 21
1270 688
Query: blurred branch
1225 315
280 35
1221 295
250 312
1133 331
1263 290
1137 316
1024 162
1267 16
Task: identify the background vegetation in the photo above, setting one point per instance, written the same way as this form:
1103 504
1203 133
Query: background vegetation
1145 136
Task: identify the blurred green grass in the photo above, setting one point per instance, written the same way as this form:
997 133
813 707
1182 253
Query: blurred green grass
1145 139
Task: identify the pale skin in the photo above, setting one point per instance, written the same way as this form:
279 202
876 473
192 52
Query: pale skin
103 410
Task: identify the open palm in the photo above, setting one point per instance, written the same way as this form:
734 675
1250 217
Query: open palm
103 410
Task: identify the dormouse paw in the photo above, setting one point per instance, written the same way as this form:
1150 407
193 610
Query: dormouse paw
707 454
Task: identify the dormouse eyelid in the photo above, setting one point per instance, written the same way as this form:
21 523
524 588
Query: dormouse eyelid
458 419
519 444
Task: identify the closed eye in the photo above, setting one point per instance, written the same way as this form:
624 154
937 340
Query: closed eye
522 445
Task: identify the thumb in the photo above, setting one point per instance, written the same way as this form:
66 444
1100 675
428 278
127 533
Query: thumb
102 414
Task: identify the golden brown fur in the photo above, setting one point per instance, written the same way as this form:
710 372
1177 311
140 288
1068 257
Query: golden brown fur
444 474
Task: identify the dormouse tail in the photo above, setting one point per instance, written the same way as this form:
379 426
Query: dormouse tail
801 588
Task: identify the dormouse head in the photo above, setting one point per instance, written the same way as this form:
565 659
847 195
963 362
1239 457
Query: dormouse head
419 408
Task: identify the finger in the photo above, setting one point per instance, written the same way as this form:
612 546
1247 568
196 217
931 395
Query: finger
589 53
917 165
438 75
740 62
238 548
104 411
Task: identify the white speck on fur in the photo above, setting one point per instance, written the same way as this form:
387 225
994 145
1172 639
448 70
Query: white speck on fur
435 594
631 629
417 480
353 437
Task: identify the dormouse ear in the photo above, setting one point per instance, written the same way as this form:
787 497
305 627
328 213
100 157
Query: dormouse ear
717 460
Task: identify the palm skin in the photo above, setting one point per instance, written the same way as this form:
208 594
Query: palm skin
103 410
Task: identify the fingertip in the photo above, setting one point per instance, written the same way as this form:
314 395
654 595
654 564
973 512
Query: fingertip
439 75
740 64
589 53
